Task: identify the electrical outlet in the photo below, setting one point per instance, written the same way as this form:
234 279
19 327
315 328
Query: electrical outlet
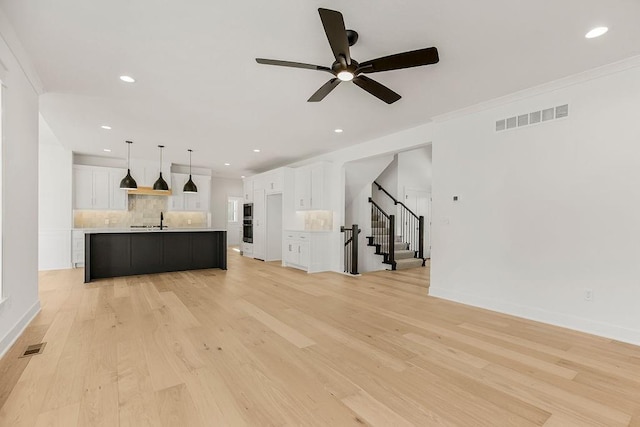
106 221
189 221
588 294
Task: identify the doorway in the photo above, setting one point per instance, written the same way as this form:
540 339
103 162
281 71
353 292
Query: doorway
234 220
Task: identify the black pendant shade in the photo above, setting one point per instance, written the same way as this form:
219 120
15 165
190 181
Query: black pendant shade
128 183
190 186
160 183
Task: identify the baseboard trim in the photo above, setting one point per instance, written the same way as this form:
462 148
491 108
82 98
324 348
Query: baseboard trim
12 336
605 330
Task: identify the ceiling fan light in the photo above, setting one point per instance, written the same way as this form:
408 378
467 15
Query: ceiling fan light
345 76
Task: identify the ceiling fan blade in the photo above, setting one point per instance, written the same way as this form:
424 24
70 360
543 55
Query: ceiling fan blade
333 24
376 89
324 90
414 58
292 64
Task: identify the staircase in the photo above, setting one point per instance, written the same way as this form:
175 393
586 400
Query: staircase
403 257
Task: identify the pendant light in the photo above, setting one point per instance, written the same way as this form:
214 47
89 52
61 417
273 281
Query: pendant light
160 183
128 183
190 186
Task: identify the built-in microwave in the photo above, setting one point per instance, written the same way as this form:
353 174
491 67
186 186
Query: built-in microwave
247 211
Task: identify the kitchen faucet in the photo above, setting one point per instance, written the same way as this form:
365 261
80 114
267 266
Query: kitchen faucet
161 219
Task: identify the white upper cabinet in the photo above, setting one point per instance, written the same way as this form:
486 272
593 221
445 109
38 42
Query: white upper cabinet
98 188
248 190
176 200
311 188
146 172
273 182
191 202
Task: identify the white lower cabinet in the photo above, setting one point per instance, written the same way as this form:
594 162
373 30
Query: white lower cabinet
247 249
77 248
306 250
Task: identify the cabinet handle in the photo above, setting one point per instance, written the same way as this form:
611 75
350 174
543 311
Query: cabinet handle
298 249
289 248
301 202
272 185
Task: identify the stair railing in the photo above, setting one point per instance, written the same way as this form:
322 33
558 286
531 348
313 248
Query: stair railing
411 225
384 236
351 248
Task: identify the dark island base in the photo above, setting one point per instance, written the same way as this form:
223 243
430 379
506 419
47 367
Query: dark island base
127 254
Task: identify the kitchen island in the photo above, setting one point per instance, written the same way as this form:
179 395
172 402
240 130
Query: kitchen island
113 253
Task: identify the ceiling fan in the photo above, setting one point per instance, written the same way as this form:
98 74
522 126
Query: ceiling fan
347 69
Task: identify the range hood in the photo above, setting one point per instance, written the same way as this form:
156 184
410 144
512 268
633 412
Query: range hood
149 191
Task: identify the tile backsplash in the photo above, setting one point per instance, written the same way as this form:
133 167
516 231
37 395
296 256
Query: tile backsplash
143 210
318 220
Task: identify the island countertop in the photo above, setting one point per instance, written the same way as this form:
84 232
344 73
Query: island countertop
146 230
112 252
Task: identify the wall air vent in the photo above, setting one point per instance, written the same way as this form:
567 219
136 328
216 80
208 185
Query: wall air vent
533 118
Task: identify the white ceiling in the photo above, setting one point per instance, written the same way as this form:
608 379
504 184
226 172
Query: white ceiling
198 85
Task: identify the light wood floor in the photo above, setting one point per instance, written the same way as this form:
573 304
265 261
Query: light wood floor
264 345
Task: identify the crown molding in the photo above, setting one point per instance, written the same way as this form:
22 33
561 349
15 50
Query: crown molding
15 46
595 73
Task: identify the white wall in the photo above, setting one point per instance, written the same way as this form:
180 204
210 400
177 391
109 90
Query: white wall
221 189
415 170
546 211
54 201
388 179
20 202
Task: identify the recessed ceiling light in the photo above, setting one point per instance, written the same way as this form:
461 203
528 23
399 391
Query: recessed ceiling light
241 176
127 79
338 131
106 127
106 150
596 32
256 151
227 164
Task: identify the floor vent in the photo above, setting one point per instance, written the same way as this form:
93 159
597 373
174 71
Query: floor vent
532 118
34 349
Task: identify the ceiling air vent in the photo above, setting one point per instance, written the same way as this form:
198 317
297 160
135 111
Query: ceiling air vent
562 111
523 120
533 118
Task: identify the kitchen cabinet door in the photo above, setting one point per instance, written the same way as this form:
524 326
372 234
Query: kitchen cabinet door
303 254
118 198
259 224
317 196
248 190
302 188
176 200
82 188
291 255
198 201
